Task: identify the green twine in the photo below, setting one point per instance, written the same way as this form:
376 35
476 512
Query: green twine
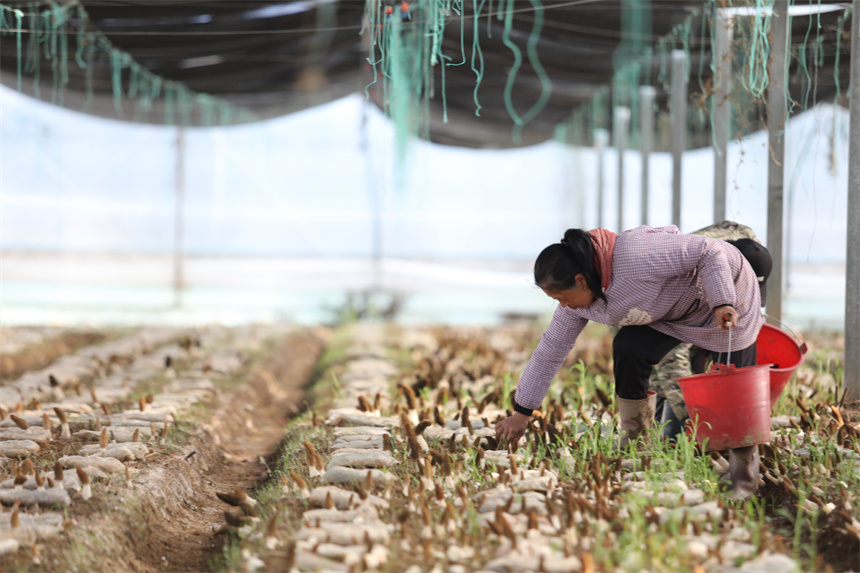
757 80
50 30
116 65
508 15
840 24
372 15
19 18
531 48
401 100
705 30
680 34
476 51
326 21
83 21
804 67
461 13
63 63
88 75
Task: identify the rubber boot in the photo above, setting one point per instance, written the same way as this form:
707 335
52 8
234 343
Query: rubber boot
743 471
635 417
672 425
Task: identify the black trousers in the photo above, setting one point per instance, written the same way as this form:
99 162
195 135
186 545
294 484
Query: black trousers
636 349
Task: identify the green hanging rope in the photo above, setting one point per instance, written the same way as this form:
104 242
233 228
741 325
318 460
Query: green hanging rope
756 79
476 51
840 26
804 68
705 32
83 22
508 15
545 81
53 25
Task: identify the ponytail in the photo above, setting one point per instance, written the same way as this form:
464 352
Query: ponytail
557 265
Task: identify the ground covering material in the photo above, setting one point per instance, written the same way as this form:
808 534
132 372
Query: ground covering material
403 473
33 348
147 430
395 466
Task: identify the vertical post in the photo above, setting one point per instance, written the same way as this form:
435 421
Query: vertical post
620 132
647 95
179 182
776 126
601 140
375 203
721 109
852 262
679 127
579 142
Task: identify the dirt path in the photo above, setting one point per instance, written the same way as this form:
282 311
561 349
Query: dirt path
168 518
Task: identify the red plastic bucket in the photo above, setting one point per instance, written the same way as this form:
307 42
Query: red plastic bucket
730 405
774 346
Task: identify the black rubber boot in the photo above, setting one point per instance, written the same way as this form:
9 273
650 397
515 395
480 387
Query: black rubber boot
672 425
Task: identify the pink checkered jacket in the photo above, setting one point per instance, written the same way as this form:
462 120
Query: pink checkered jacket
669 281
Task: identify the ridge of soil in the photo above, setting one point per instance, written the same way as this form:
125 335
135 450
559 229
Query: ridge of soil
14 364
167 517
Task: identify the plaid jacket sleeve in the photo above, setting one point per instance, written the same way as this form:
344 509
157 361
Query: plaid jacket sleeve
548 357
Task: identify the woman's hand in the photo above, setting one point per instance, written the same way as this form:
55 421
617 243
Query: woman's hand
726 316
511 429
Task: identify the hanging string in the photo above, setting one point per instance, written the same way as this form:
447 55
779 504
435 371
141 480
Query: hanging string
756 79
460 11
840 27
545 81
804 67
476 51
817 54
518 59
50 31
371 16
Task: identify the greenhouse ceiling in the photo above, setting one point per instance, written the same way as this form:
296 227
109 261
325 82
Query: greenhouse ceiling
486 66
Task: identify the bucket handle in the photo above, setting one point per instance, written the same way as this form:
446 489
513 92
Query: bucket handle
800 344
729 353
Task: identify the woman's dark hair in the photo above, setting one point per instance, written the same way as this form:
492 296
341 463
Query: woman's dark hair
557 265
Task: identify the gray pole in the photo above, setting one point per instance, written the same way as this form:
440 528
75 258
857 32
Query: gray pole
601 139
721 108
620 133
375 203
679 128
179 180
852 262
776 127
646 141
580 179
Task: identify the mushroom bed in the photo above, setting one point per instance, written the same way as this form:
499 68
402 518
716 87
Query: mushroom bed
112 456
252 449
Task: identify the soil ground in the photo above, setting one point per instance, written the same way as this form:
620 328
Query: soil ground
168 517
37 356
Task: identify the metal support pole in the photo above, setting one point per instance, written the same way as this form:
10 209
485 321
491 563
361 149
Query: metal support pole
374 200
679 127
647 94
776 127
721 109
178 255
852 262
620 132
580 171
601 140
